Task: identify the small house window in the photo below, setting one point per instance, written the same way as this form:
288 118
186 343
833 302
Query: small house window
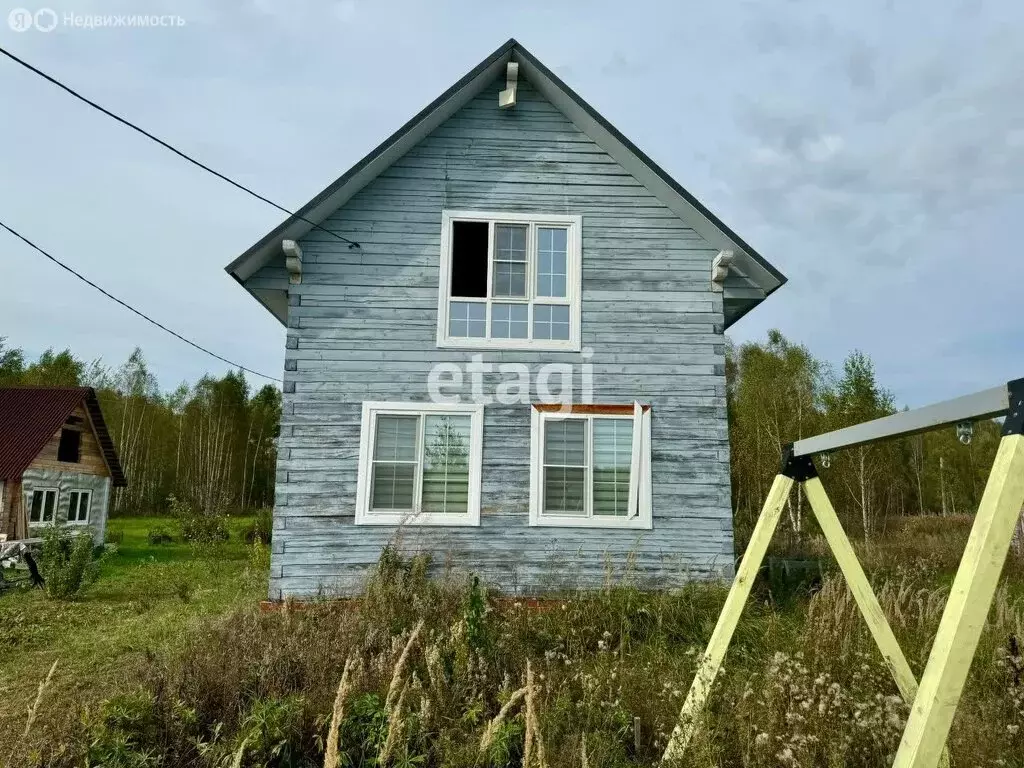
78 507
591 466
509 281
419 464
70 446
42 505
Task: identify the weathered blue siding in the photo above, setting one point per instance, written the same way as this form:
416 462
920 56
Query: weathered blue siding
362 326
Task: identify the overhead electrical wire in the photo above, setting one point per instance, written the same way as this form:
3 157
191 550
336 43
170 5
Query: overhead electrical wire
238 185
130 308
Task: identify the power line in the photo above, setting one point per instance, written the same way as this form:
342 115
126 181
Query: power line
175 150
129 307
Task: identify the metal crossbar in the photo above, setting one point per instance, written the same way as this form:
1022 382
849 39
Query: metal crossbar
933 703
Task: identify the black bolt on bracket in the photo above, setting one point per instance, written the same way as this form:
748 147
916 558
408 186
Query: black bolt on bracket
1014 422
798 468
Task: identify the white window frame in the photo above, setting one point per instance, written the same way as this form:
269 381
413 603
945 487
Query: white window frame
639 477
56 504
373 409
573 281
88 509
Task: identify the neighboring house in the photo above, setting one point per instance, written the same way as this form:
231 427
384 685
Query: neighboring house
510 243
57 461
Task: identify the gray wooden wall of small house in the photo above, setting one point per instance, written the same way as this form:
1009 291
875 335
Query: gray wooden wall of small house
362 326
65 482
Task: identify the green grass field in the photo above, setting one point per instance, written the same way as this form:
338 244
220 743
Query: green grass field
145 600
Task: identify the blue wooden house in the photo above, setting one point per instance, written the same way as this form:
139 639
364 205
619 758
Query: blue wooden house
505 348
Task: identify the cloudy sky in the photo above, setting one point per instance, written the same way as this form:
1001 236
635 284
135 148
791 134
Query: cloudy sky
872 150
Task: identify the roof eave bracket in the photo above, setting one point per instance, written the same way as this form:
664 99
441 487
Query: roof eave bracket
720 270
507 97
292 261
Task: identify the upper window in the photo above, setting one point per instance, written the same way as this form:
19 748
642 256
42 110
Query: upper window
78 507
509 281
42 505
591 466
70 445
419 464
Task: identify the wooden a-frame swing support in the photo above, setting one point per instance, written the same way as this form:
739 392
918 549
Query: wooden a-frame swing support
933 703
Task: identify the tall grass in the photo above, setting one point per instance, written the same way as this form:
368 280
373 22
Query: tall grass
433 673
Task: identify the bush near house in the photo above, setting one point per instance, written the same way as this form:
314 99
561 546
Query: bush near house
433 660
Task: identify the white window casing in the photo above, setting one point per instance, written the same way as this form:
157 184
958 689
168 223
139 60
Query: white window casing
542 312
637 500
79 508
399 483
49 505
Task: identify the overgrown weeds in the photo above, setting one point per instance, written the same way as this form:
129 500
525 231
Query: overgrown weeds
67 563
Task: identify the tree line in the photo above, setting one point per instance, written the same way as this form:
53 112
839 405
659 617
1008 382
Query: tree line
778 392
211 444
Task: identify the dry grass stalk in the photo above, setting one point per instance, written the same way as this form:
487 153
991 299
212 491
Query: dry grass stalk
396 674
34 709
584 762
337 715
237 762
492 727
396 725
534 744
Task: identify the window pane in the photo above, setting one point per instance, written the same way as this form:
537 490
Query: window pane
396 438
565 442
510 278
446 464
83 507
469 258
73 507
36 514
467 319
510 242
509 321
563 490
613 454
550 321
49 502
551 262
392 486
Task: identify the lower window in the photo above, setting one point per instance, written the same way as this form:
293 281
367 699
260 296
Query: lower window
42 505
78 507
419 464
591 466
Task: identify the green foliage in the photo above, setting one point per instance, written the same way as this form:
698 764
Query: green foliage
198 527
363 732
475 616
261 528
159 535
67 562
271 734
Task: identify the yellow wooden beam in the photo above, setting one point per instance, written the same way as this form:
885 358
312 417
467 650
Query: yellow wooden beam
864 596
969 602
711 662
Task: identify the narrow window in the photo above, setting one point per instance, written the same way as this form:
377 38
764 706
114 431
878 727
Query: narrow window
70 445
78 506
420 464
44 501
469 259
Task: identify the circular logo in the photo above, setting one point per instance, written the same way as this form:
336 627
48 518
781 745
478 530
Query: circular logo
20 20
46 20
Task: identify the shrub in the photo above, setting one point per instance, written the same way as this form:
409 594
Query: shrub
159 535
67 561
261 528
114 537
197 526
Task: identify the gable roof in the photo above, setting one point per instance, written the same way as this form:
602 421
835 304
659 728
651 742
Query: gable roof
757 277
30 416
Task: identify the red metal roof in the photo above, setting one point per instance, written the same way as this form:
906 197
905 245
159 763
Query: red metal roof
30 416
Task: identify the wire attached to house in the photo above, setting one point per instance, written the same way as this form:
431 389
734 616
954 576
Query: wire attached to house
129 307
175 150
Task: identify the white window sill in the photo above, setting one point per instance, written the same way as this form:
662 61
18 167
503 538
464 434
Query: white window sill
464 520
525 345
566 521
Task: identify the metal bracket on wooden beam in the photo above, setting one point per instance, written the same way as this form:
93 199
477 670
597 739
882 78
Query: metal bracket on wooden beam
1014 424
798 468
